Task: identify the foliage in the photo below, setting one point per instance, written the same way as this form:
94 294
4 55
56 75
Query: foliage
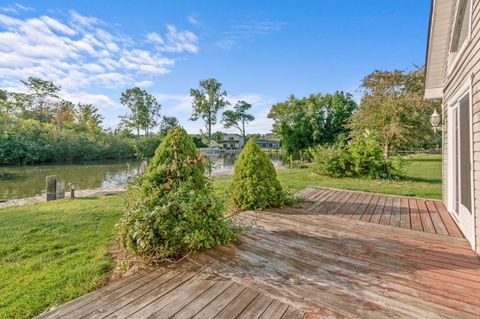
208 99
199 140
255 184
54 252
144 109
173 208
317 119
167 123
423 179
88 118
41 93
41 127
238 117
393 108
363 157
145 148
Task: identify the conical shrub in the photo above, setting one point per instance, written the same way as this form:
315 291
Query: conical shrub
255 184
172 208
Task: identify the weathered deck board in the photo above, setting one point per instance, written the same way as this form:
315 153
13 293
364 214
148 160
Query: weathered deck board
345 254
410 213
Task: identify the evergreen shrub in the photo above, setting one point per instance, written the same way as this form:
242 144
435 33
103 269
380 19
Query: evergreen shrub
172 208
255 184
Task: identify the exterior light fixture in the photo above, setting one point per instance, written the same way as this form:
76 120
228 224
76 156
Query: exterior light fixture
436 121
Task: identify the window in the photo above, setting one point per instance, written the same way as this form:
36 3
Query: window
460 28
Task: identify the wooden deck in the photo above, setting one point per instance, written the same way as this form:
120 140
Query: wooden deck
428 216
307 263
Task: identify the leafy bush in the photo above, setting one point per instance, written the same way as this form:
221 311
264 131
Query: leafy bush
329 160
145 147
255 184
363 157
172 207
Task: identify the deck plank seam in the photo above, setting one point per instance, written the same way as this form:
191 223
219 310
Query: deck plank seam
382 278
162 294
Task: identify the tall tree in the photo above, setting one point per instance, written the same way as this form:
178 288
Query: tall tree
64 114
208 99
393 108
316 119
41 92
238 117
88 118
167 123
144 109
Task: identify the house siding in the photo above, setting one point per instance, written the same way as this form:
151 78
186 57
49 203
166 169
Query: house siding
467 68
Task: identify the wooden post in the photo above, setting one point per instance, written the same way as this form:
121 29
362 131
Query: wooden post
51 187
60 190
72 190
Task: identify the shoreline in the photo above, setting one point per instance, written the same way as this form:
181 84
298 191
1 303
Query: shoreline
100 191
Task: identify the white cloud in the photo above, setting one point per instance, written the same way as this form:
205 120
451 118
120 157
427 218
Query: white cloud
176 103
193 20
99 100
16 8
175 40
240 32
83 52
84 21
144 84
55 25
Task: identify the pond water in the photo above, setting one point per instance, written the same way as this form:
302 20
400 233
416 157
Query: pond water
27 181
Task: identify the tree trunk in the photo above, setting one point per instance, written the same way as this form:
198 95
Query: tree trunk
243 134
386 149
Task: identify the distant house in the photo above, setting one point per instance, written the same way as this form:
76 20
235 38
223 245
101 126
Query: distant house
231 141
453 76
268 143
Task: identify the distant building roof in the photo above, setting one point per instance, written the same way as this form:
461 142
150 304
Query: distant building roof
270 140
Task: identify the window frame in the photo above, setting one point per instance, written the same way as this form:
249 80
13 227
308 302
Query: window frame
451 63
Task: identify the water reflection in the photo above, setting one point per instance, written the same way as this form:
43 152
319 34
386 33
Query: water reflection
224 162
26 181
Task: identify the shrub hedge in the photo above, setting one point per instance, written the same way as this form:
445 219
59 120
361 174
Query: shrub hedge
363 157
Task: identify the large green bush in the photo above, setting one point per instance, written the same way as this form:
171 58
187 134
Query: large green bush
363 157
172 207
255 184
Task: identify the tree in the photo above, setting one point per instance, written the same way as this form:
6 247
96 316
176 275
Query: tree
64 114
167 123
173 208
238 117
41 92
393 108
208 99
317 119
144 108
255 184
88 118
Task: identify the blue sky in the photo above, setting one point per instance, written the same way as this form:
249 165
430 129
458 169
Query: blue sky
262 51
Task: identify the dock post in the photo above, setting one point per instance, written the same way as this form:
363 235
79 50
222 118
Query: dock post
72 190
51 187
60 190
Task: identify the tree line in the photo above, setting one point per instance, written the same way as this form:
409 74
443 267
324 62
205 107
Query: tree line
392 108
40 126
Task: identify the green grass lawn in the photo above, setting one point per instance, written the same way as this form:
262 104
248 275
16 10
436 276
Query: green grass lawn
53 252
424 179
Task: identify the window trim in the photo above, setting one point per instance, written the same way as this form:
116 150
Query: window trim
451 64
464 90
